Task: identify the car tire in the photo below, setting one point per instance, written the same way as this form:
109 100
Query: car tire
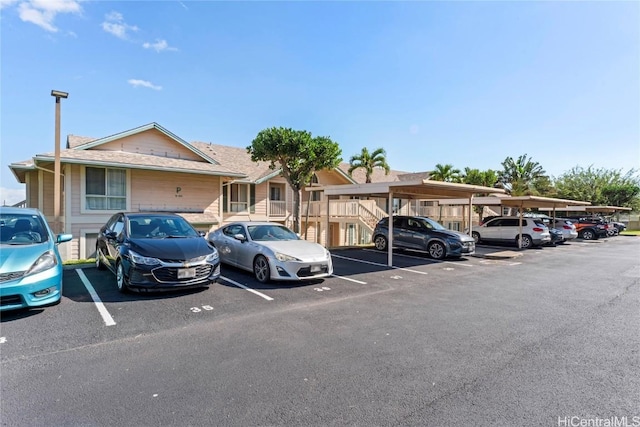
380 242
526 243
476 236
99 264
437 250
589 235
261 269
121 278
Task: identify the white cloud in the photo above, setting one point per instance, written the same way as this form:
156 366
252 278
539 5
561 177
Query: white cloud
158 46
11 196
114 24
143 83
43 12
7 3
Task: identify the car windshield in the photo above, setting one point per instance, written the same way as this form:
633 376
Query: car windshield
22 229
159 227
271 232
432 225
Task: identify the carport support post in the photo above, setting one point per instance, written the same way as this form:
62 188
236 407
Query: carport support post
390 236
520 226
470 213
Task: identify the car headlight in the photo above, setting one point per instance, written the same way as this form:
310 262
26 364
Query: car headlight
143 260
283 257
213 256
46 261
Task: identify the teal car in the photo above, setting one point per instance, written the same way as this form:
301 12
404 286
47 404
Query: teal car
30 264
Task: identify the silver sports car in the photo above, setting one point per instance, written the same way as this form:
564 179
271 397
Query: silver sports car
271 251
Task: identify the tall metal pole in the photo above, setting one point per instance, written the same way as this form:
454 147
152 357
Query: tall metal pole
57 224
57 227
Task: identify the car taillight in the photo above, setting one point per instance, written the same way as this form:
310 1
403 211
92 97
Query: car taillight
566 227
538 229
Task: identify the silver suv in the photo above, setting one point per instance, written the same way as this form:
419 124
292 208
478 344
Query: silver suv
506 229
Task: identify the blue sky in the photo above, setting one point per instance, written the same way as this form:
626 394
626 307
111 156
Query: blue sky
463 83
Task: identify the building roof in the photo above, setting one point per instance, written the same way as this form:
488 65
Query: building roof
239 158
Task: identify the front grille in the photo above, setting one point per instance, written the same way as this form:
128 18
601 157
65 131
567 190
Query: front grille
5 277
10 300
170 274
306 271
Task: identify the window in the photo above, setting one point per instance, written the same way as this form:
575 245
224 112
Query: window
275 193
105 189
239 198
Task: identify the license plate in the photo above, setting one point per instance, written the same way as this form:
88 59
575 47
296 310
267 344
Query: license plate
186 273
316 268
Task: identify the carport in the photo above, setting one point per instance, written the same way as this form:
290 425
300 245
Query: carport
592 210
413 190
537 202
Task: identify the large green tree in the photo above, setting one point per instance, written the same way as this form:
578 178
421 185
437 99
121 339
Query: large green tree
523 176
369 161
298 155
446 173
488 178
608 187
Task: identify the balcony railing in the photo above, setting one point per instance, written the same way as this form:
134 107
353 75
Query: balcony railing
277 208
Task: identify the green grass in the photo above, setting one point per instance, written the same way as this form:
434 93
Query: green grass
80 261
630 233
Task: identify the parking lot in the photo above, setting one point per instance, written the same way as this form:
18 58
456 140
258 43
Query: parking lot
422 343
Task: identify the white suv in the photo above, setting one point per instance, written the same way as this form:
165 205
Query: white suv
506 229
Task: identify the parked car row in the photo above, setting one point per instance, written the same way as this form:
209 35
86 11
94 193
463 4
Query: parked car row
159 251
149 251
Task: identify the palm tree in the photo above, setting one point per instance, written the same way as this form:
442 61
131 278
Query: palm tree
519 177
367 161
446 173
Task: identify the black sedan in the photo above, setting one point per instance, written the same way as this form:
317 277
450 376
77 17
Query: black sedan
156 251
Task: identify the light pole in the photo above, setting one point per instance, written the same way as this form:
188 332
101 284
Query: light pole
57 225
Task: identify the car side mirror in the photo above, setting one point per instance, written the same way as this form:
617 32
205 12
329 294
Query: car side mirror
240 237
61 238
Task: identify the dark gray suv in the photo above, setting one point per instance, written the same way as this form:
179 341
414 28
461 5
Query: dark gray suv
423 234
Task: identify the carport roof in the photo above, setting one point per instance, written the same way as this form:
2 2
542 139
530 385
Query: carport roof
414 189
595 209
540 202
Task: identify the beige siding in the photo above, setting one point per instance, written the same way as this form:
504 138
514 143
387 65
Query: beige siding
262 199
151 142
34 186
180 192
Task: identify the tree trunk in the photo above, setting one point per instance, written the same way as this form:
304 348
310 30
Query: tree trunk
296 211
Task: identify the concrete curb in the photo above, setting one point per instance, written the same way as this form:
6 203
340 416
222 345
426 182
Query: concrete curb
500 255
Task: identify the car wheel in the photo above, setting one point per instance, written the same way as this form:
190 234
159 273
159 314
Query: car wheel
437 250
121 279
99 264
261 269
526 242
476 236
381 243
588 235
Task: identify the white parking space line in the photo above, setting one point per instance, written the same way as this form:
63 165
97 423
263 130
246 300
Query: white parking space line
424 259
349 279
378 264
108 320
240 285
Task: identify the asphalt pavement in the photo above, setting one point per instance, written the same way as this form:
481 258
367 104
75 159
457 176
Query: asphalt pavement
549 337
